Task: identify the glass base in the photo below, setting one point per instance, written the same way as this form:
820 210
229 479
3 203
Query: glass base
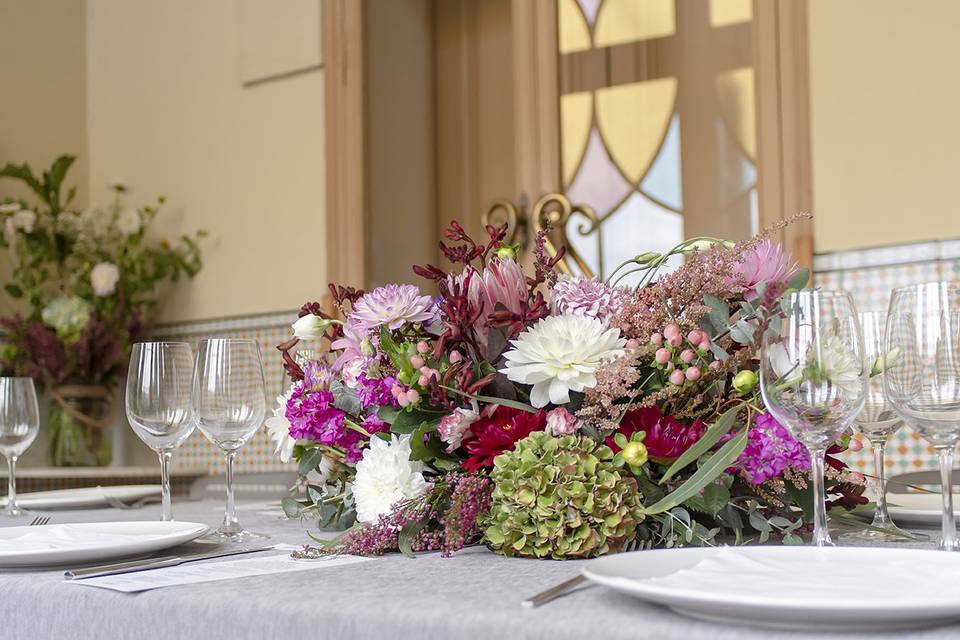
225 535
891 533
15 512
944 547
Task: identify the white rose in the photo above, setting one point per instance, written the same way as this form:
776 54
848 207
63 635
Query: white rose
310 327
128 222
10 207
25 219
104 278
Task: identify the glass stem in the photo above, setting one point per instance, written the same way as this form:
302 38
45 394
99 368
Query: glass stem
880 517
230 520
165 456
821 532
11 483
948 538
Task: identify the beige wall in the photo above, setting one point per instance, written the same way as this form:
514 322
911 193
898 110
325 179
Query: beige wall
167 111
42 89
885 121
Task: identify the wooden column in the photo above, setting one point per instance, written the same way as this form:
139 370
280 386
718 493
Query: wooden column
783 120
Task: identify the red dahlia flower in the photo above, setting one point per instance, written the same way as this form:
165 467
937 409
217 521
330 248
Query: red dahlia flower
667 438
491 435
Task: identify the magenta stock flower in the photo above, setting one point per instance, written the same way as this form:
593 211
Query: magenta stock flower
312 416
393 305
770 451
586 297
763 262
376 391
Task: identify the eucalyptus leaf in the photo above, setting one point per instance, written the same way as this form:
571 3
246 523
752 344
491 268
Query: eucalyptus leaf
799 279
291 508
742 332
309 461
345 398
407 422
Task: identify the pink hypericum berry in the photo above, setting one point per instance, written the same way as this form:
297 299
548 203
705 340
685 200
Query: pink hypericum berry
675 340
704 345
687 355
662 355
677 377
695 336
671 330
412 396
670 367
656 338
455 357
396 391
693 373
416 361
632 344
714 365
402 400
423 380
855 445
422 347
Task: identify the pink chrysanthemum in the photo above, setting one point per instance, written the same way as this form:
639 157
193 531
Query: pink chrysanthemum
764 262
393 305
586 297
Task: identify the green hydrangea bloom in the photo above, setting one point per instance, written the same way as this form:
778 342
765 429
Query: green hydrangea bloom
68 315
561 498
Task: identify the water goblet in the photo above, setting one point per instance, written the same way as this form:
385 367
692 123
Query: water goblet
813 379
19 425
159 384
923 382
877 422
229 406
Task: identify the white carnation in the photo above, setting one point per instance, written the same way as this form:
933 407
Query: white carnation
104 277
385 476
129 222
561 354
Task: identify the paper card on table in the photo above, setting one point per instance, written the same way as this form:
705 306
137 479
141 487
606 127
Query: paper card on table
209 572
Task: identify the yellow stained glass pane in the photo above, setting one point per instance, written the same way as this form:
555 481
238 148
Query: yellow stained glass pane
633 119
724 12
576 110
574 34
735 92
622 21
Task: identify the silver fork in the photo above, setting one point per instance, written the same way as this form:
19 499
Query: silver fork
117 503
39 521
565 586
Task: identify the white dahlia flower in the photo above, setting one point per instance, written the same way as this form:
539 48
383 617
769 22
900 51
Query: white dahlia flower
561 354
278 427
385 476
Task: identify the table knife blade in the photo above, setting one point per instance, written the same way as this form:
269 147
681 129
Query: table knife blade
153 563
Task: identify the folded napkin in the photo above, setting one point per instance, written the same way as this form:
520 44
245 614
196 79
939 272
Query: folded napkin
66 536
835 578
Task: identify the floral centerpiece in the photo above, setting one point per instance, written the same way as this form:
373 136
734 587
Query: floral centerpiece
89 279
551 416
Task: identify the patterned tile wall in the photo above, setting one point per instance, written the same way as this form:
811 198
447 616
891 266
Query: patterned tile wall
197 454
870 275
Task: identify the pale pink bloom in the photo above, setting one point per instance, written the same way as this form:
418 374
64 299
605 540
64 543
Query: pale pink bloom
763 262
453 426
393 305
561 422
585 297
501 282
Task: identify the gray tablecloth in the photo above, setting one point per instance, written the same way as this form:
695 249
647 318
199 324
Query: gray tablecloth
472 595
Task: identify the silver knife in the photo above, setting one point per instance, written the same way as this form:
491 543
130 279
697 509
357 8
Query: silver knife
153 563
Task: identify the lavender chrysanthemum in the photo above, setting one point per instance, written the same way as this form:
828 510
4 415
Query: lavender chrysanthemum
770 451
393 305
586 297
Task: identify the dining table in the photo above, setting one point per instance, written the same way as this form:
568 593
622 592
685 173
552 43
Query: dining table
473 594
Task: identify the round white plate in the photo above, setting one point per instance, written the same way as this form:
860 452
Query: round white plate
805 588
80 543
84 497
921 509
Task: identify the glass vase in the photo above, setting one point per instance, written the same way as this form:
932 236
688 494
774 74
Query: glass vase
79 426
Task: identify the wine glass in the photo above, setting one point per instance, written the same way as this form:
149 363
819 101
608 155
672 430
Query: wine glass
877 422
813 379
19 425
159 384
229 406
923 381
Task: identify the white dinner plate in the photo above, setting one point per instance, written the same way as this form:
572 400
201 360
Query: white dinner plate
81 543
838 588
919 509
84 497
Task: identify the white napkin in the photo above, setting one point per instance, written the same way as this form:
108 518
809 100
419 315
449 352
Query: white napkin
850 577
66 536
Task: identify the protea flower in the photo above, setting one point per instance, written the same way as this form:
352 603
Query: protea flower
585 297
764 262
501 282
666 439
393 305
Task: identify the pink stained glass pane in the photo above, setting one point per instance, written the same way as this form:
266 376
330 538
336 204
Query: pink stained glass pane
590 9
598 183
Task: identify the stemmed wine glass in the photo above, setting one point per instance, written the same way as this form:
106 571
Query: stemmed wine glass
877 422
229 406
813 378
19 425
158 402
923 385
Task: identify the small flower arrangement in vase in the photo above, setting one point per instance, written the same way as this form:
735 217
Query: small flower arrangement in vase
89 280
